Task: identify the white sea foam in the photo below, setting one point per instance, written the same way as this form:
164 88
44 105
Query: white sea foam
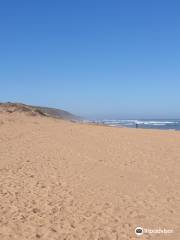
145 122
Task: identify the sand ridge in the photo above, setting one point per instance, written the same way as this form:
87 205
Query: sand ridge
63 180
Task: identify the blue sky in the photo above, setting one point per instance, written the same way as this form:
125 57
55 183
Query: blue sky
95 58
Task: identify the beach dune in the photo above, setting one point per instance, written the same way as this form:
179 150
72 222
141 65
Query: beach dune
64 180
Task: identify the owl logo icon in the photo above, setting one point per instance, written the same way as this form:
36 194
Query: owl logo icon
139 231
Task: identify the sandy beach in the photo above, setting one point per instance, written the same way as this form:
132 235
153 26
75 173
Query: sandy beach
62 180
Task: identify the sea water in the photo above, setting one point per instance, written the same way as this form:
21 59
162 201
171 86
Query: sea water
164 124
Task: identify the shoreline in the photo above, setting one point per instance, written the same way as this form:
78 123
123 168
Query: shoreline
123 126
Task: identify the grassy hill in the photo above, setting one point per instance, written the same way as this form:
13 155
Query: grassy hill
10 108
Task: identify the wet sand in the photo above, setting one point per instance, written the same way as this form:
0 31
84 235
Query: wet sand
64 180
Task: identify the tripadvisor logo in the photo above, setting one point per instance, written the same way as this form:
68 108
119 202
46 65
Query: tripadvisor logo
139 231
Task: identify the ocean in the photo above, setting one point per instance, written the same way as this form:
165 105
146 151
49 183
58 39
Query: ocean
163 124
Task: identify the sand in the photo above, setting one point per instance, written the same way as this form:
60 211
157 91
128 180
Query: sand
63 180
